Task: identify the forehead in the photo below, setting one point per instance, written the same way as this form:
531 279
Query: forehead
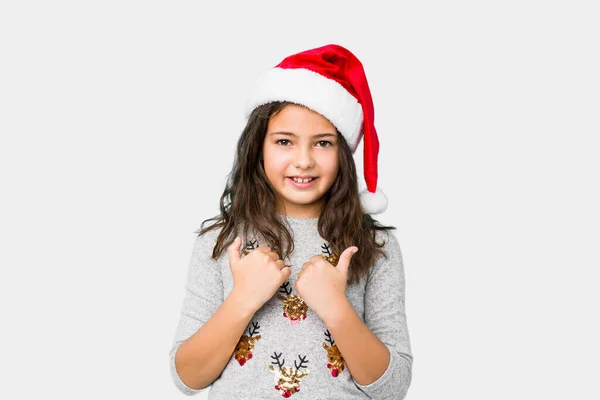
300 121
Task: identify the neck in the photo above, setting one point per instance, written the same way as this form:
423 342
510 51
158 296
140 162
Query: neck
302 212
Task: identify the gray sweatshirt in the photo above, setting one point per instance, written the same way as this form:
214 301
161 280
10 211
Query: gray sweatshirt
286 350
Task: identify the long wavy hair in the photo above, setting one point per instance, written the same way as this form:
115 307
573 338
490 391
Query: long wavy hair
249 201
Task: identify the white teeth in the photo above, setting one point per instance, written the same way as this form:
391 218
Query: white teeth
300 180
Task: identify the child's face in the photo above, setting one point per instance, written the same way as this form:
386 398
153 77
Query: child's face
300 143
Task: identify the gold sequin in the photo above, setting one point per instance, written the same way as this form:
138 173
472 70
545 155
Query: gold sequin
332 259
294 308
328 255
287 380
245 347
335 361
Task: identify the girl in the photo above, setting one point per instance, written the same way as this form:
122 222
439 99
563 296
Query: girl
294 289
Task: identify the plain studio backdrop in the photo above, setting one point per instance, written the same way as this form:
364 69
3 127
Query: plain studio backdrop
119 121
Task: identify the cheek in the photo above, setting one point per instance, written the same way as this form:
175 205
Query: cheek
330 164
274 163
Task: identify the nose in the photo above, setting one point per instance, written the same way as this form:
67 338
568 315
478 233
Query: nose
303 159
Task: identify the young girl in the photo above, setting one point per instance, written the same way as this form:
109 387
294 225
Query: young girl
294 289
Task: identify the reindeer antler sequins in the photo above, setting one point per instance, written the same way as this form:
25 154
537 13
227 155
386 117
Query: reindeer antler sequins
335 361
287 380
294 308
245 347
328 255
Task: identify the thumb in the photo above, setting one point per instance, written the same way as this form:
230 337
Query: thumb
233 251
285 273
345 258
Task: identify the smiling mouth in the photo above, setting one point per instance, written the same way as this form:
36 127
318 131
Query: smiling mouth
302 180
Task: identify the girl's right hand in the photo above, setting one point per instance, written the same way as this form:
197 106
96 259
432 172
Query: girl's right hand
257 276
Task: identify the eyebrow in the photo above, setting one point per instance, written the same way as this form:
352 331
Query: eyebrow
318 135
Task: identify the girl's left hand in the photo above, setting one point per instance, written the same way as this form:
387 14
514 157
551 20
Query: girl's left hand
323 286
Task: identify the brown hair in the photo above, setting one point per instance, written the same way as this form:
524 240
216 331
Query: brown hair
249 201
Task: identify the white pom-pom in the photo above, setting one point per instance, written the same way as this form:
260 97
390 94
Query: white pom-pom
373 203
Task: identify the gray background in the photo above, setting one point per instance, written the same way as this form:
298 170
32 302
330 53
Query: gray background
118 121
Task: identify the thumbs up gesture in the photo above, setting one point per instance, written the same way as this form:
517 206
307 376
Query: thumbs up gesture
257 276
323 286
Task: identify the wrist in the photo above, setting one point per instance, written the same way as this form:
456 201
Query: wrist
337 311
241 304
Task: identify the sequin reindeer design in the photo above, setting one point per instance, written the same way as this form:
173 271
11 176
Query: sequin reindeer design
294 308
335 361
245 347
287 380
328 255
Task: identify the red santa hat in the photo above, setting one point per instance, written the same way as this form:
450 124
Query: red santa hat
331 81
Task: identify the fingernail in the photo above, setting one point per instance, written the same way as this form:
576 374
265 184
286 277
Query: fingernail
354 250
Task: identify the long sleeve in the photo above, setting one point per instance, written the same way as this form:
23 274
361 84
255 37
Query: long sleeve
203 297
386 317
